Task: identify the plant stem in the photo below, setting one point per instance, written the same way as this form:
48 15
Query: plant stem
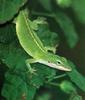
57 77
43 14
54 84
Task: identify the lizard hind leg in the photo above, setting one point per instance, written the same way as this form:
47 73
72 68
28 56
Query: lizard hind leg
52 49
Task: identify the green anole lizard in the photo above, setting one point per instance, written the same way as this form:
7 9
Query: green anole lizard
35 48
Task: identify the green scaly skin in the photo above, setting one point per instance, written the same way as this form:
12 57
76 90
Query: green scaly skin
35 48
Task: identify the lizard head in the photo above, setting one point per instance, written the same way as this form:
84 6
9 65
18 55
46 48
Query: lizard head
56 61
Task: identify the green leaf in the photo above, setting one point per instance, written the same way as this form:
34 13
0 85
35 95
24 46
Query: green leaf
76 77
75 97
44 96
16 88
12 56
49 38
8 8
67 87
7 34
46 4
18 78
64 3
68 27
79 9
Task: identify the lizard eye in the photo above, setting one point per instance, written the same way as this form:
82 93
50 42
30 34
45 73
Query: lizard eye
58 62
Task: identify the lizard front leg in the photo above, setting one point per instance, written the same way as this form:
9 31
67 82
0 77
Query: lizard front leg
28 62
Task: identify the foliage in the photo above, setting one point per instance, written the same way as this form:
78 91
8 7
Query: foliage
9 8
49 22
78 8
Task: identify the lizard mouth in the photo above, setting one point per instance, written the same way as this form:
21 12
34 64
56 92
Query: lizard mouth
59 67
53 65
64 69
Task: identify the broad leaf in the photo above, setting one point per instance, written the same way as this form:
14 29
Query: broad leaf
8 8
78 7
68 27
21 83
67 87
16 88
7 34
76 77
75 97
64 3
46 4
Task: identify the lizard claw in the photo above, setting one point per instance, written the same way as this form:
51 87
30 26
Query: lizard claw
32 71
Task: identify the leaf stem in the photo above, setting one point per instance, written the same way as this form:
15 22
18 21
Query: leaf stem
57 77
54 84
43 14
